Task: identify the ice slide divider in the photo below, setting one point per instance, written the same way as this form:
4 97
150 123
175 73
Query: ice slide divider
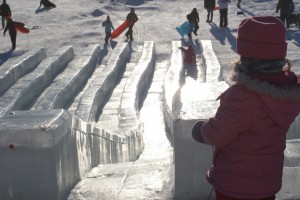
11 74
135 88
74 78
94 97
28 88
181 114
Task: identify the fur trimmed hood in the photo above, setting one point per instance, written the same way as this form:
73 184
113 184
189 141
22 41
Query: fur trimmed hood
289 91
268 77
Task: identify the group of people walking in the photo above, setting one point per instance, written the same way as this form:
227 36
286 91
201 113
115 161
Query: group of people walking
131 17
286 7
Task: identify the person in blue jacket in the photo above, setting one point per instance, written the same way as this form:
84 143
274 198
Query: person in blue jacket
108 27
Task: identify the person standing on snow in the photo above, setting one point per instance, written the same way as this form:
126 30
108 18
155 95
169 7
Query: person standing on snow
132 18
108 27
209 5
10 27
239 3
193 17
286 8
5 13
248 131
223 4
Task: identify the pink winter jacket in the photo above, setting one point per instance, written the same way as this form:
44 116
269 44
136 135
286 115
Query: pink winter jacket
249 133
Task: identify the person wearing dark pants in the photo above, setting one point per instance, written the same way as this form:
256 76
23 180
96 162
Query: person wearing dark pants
132 18
193 17
223 4
239 3
286 8
209 5
223 17
108 27
5 13
10 27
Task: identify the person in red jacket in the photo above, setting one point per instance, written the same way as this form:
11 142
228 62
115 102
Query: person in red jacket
248 131
189 55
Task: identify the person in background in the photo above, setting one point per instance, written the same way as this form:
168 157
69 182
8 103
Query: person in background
248 131
189 55
5 13
239 3
108 27
10 27
132 18
47 4
223 4
286 8
209 5
193 17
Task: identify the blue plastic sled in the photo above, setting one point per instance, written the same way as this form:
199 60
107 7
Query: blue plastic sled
185 28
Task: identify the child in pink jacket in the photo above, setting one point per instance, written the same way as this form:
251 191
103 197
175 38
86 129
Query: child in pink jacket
249 129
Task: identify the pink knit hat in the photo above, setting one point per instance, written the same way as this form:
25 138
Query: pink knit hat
262 38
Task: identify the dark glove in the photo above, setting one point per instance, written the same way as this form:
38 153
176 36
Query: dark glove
196 131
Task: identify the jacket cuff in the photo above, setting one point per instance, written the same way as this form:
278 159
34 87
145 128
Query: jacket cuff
196 131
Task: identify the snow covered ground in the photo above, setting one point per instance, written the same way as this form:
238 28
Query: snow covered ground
78 23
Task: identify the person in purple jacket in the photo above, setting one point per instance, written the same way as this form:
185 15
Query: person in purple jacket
248 131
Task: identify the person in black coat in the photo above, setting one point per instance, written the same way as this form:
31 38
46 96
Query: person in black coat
286 8
10 27
239 3
132 18
5 13
47 4
193 17
209 5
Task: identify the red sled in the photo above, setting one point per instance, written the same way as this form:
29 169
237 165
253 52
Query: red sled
20 27
120 29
